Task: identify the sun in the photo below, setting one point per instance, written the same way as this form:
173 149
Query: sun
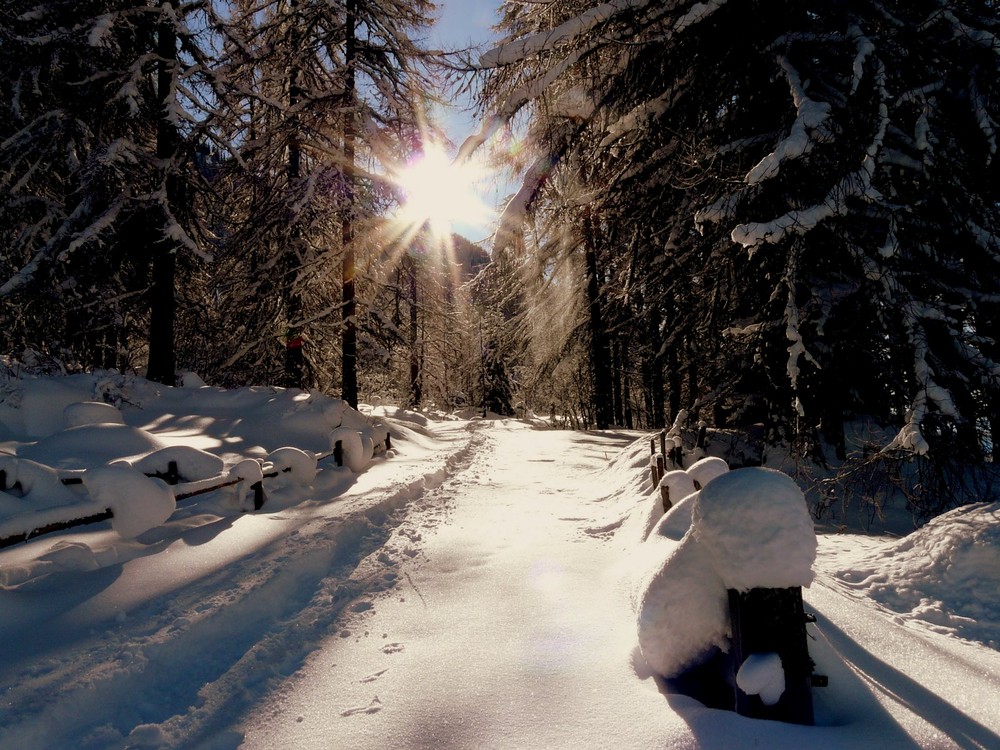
441 193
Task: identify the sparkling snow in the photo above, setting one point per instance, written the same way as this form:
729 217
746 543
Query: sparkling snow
468 589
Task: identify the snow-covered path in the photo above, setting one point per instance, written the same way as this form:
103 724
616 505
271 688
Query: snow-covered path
502 633
470 592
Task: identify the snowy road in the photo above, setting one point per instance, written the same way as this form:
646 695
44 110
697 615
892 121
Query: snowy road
466 593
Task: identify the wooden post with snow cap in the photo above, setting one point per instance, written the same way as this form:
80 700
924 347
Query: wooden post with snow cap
757 530
677 453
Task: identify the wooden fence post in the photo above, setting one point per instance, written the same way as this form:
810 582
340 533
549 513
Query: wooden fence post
259 496
677 456
661 467
768 621
665 498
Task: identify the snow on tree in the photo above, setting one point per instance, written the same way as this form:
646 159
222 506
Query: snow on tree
104 107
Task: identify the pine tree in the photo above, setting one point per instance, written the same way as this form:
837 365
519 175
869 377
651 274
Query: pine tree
811 188
106 103
328 93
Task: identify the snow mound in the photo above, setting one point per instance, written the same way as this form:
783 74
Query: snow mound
33 407
192 464
90 445
748 528
41 490
683 611
355 450
756 525
945 574
91 412
706 469
298 464
679 485
674 524
138 503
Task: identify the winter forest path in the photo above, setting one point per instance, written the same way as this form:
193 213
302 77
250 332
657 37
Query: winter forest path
469 592
495 618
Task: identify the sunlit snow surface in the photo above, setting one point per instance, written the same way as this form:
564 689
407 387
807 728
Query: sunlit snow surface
470 589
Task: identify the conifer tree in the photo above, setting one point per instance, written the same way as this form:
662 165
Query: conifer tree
811 193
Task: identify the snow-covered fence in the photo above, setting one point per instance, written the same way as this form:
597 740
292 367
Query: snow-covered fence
138 495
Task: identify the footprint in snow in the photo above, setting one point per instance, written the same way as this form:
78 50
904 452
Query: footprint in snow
372 708
373 677
392 648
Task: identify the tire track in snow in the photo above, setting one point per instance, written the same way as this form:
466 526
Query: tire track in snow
184 665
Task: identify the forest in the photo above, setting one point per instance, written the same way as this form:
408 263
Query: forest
772 218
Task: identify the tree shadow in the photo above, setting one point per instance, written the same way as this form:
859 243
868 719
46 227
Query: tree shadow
39 611
963 730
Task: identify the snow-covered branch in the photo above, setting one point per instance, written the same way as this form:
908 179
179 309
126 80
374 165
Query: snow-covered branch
567 32
809 118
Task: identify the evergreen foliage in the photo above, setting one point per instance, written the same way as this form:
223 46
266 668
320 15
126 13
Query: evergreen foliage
795 205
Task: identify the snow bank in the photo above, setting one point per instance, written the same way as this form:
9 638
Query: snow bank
756 526
138 502
72 424
33 408
944 575
91 412
90 445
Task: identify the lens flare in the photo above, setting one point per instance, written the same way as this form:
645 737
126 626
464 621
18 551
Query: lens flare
440 192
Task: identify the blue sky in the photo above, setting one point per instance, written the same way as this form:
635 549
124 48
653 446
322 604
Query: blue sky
461 24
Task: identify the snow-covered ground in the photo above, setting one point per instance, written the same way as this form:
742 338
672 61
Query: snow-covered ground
473 587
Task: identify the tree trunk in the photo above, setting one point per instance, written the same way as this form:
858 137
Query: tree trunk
161 366
294 365
415 390
623 361
616 383
349 340
654 376
599 348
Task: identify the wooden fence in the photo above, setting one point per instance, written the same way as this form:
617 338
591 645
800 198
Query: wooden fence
183 490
